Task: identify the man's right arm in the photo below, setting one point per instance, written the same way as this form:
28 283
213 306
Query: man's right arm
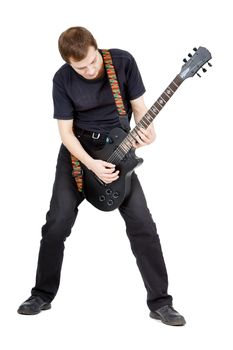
72 143
104 170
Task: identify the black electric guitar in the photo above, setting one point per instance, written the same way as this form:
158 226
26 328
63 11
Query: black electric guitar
120 151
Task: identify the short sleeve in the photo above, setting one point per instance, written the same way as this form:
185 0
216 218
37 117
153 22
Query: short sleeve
63 106
135 86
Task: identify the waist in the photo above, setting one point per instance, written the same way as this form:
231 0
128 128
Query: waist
95 135
91 139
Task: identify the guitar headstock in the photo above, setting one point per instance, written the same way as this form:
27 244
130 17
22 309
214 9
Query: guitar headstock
196 62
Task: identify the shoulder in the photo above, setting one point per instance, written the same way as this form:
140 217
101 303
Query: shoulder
63 73
121 55
123 60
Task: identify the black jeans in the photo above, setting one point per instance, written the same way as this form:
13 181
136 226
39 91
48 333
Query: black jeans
140 228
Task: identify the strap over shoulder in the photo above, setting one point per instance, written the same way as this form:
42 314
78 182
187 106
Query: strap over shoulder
115 89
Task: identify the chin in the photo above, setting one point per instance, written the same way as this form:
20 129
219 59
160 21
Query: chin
92 77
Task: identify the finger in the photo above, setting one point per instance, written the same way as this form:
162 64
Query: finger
134 144
143 131
110 176
143 135
108 170
137 145
109 180
139 140
149 133
109 165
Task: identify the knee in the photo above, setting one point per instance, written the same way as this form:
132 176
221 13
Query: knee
139 221
58 225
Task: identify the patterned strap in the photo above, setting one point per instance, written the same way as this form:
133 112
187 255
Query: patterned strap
77 170
113 82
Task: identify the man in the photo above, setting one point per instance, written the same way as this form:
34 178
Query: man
85 109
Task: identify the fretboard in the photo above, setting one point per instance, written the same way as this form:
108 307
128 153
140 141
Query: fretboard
146 120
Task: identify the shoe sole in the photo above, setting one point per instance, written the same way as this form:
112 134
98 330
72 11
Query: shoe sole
27 312
157 317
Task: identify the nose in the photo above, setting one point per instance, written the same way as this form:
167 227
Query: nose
90 70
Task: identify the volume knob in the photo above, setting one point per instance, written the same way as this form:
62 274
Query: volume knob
116 194
108 191
102 198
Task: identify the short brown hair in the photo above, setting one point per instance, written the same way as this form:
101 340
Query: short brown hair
75 42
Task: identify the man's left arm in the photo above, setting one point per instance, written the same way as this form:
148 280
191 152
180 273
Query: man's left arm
145 137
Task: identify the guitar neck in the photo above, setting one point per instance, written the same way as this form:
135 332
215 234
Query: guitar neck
157 106
148 118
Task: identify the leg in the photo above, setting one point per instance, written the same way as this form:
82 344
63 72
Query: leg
145 245
59 221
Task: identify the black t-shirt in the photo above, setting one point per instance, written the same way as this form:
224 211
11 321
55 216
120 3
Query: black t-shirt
90 103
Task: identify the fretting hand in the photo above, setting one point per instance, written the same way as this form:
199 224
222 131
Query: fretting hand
144 137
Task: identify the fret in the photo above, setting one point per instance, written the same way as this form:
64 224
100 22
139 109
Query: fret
160 105
164 96
130 138
170 88
119 152
175 88
127 147
178 80
134 133
151 118
154 110
161 100
124 148
143 122
159 108
148 120
169 96
169 92
175 84
137 127
150 113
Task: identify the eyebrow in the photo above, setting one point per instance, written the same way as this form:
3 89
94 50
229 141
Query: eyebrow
86 66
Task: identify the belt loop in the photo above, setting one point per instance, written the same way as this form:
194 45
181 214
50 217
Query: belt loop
95 137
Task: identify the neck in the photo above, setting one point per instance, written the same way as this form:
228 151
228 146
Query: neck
101 70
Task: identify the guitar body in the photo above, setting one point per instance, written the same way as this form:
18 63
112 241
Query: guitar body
107 197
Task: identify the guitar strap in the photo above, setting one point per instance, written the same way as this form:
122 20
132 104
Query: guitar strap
115 90
123 118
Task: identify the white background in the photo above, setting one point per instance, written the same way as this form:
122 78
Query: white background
186 175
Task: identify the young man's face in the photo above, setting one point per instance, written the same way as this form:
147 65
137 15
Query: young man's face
91 67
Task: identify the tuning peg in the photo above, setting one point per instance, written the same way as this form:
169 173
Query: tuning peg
184 60
204 70
190 55
209 64
199 75
194 49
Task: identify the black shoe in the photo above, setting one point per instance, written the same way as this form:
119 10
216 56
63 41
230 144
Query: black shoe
168 315
33 306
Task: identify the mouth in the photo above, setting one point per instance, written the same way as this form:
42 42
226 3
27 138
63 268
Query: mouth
93 76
